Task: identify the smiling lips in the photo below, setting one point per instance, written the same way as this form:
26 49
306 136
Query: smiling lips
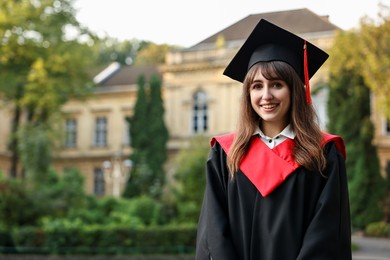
269 106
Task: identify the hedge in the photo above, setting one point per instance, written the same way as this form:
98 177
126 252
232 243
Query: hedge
104 240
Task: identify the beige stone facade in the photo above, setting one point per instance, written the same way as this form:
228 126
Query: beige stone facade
197 97
89 152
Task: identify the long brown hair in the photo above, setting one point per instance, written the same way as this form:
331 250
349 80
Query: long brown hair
303 119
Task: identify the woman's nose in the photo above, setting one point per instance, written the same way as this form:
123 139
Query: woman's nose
267 95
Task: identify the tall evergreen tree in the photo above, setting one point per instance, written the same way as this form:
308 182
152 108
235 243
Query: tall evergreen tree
156 148
349 116
139 121
149 136
138 183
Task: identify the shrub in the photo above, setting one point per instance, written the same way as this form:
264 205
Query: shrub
17 205
378 229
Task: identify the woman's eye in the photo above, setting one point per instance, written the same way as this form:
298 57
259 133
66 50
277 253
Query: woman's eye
257 86
277 85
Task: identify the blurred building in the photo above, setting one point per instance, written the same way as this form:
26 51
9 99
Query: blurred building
96 129
198 99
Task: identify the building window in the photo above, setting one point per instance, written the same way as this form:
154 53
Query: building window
100 132
199 120
71 133
126 132
387 127
99 184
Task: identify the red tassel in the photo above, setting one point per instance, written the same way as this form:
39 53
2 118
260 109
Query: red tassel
306 73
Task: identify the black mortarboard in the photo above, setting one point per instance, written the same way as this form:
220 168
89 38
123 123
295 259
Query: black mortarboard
268 42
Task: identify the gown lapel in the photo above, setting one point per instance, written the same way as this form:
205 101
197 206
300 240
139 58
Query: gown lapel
267 168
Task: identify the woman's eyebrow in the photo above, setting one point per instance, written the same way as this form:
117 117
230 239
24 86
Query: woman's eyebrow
257 80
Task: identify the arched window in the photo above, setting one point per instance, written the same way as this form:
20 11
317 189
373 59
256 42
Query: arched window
199 112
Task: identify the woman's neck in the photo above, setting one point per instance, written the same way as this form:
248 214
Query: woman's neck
271 129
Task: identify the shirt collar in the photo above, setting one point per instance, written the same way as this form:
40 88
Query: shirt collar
287 132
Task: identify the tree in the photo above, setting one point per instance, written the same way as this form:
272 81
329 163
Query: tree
349 116
41 65
109 50
22 204
149 136
152 54
156 148
141 177
376 50
386 202
130 52
190 177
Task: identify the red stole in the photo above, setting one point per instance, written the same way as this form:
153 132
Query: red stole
267 168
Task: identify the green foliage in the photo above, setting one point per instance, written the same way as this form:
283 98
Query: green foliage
108 211
59 202
190 178
152 54
109 50
35 149
37 55
378 229
386 201
156 148
139 137
41 67
57 217
141 181
146 209
348 92
375 38
17 206
22 203
65 193
366 189
139 121
95 212
107 240
149 136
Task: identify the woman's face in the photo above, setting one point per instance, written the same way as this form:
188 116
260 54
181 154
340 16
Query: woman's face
271 100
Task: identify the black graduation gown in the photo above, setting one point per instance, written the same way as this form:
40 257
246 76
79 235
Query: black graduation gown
304 216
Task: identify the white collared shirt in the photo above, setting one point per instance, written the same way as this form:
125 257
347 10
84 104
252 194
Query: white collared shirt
278 139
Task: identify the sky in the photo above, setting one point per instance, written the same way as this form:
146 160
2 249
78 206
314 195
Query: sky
187 22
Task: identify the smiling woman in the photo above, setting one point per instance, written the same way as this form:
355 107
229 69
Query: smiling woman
277 187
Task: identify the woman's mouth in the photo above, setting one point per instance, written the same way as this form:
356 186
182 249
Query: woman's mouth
269 106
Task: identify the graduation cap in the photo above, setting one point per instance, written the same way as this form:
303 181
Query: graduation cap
268 42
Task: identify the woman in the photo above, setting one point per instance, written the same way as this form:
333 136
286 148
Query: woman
277 187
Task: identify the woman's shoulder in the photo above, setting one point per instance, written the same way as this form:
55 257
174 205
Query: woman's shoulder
328 138
224 140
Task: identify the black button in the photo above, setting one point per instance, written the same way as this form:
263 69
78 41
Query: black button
270 141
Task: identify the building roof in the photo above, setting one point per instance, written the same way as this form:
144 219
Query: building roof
128 75
298 21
